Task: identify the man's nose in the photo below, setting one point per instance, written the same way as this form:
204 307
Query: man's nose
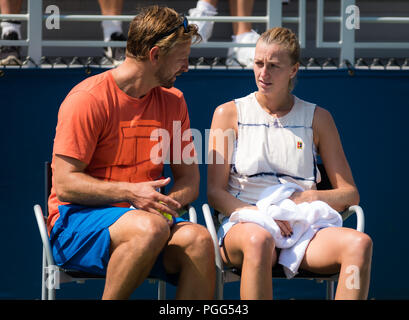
185 66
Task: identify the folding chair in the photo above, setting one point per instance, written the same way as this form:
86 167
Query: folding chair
52 275
226 275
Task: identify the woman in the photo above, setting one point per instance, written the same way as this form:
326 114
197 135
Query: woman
277 137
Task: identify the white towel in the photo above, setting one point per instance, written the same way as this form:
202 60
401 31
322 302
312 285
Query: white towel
305 220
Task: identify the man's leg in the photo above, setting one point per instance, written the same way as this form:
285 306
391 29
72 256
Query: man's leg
10 30
242 34
136 240
204 8
112 29
190 252
111 7
10 6
241 8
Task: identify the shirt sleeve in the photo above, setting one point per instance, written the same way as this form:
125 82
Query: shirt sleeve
80 123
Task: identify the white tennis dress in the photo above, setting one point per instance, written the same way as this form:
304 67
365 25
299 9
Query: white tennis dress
272 158
270 150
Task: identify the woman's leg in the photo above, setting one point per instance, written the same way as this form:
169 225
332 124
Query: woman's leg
342 250
251 248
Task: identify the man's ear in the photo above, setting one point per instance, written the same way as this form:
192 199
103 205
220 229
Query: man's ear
154 55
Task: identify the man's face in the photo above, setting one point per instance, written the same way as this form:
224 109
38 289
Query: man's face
173 64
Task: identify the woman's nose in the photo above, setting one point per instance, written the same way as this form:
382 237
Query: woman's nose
263 71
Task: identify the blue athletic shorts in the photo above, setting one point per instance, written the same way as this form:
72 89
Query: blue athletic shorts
80 240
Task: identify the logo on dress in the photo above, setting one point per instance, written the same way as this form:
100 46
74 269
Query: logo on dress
299 145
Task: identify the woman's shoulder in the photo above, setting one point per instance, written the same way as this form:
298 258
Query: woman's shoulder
230 108
322 115
225 116
226 109
323 121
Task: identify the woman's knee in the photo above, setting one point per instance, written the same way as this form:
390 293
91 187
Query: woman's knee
359 247
250 242
259 246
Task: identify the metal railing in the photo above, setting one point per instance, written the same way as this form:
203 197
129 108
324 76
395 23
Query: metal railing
35 18
346 44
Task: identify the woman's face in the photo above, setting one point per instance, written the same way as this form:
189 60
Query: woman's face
273 68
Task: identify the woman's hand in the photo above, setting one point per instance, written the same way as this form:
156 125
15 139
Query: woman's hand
248 208
303 196
285 227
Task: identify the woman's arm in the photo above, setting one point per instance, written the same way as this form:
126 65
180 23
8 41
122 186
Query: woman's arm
329 146
223 133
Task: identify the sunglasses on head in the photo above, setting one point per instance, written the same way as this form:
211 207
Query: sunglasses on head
185 25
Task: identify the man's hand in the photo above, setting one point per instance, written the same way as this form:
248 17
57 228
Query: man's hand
144 196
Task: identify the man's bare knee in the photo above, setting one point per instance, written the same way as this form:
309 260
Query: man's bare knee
195 237
155 227
140 227
189 242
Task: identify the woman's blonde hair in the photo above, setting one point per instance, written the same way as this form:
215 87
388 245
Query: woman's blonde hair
284 37
151 23
288 40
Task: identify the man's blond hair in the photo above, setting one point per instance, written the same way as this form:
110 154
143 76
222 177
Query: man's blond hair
152 22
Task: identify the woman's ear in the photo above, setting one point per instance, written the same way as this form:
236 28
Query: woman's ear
294 70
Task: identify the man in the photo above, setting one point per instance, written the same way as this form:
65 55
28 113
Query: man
102 165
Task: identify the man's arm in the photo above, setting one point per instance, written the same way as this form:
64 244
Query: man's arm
73 185
186 187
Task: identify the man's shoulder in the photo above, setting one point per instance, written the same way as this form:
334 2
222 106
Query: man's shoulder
92 85
87 97
171 93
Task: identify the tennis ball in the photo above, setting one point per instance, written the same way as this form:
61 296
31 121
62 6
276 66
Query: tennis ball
166 215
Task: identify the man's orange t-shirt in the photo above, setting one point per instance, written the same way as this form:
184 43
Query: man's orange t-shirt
118 136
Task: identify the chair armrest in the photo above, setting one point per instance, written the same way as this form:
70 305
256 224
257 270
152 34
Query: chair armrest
38 212
360 217
212 230
192 214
